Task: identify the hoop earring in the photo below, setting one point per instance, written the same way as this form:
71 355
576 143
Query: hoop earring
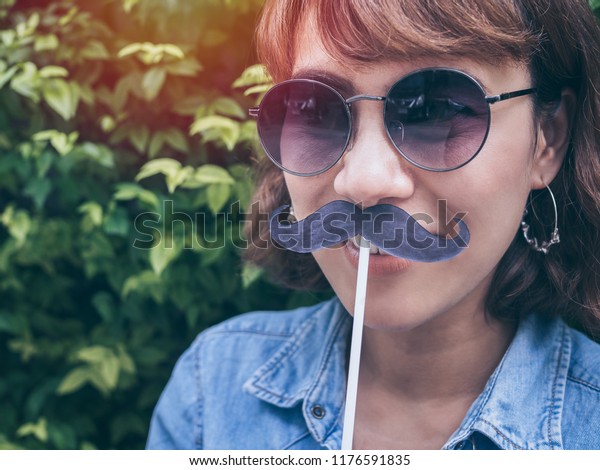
554 239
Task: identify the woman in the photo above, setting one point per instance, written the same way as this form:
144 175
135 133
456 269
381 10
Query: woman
490 113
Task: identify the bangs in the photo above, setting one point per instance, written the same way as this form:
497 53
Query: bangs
365 31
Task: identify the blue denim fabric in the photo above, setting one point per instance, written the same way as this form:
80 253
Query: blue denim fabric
276 380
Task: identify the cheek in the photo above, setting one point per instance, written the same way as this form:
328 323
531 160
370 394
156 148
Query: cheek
496 188
308 193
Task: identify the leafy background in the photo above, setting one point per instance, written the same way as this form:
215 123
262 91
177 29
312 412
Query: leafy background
110 110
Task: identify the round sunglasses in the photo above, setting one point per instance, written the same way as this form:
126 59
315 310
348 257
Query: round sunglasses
437 118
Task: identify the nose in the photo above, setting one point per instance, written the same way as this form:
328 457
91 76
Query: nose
372 170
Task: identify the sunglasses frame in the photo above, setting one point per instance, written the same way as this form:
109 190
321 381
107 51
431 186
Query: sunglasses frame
489 99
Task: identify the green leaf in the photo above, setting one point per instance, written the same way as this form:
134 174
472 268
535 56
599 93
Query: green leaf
130 191
184 68
176 139
53 71
127 191
96 153
103 369
27 28
109 370
248 132
217 196
146 283
33 22
250 274
165 166
38 190
175 180
127 363
93 210
209 174
93 354
173 50
164 254
39 430
139 138
94 50
74 380
130 49
107 123
18 224
68 17
594 4
228 107
150 53
8 37
60 97
62 143
48 42
85 92
27 82
156 144
217 128
129 4
6 75
257 89
153 82
253 75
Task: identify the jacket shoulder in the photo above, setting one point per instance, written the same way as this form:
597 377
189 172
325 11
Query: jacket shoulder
209 376
243 343
581 411
269 323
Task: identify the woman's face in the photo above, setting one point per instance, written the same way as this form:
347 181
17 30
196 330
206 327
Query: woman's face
492 190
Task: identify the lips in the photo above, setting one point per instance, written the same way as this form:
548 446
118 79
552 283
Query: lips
380 263
372 248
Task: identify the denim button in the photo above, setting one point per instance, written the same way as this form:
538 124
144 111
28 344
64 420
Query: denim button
318 411
467 444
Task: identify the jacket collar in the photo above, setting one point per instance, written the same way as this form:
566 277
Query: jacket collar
292 375
520 407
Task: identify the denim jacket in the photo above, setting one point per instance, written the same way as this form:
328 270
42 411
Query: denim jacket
276 380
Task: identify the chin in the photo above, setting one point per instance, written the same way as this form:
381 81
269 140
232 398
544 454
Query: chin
401 317
399 321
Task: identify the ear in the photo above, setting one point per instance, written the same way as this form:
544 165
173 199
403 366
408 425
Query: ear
553 133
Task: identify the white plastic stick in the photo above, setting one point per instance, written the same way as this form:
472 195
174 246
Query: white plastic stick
355 346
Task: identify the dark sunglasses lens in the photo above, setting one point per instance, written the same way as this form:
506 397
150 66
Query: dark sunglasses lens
438 119
303 126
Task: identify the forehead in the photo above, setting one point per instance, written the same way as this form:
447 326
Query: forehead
312 60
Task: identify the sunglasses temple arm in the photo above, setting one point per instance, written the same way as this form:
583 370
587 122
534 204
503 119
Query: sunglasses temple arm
356 345
509 95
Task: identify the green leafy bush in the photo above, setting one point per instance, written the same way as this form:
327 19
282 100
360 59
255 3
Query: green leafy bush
118 119
117 116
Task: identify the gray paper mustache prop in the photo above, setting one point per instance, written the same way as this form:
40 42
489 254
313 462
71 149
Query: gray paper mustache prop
388 227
